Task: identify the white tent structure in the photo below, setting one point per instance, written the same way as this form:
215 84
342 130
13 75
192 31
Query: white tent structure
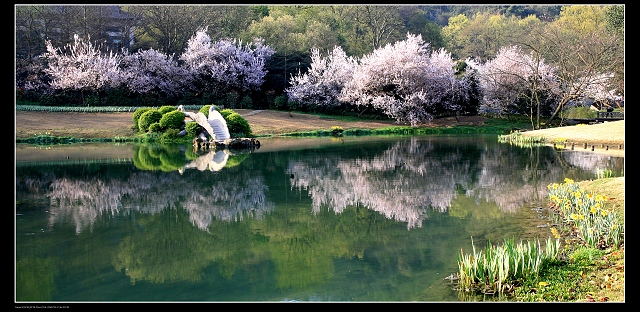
215 124
218 124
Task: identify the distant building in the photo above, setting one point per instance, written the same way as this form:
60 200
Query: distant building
109 25
119 30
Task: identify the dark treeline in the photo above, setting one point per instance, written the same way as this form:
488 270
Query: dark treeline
358 29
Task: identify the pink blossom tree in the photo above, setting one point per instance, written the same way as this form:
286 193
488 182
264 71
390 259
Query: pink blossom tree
225 64
450 92
81 66
31 79
405 81
517 82
322 84
151 71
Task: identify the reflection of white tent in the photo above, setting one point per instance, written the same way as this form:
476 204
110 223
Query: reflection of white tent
219 160
213 160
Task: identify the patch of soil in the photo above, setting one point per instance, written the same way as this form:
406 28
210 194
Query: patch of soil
77 125
263 122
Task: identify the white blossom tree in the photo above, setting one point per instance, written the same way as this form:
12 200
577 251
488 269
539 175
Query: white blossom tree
404 80
226 64
600 88
322 84
151 71
517 82
448 94
81 66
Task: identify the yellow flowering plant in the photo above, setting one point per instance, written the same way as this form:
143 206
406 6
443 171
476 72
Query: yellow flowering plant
597 225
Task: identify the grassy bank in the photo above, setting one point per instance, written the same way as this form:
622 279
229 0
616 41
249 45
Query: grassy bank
490 126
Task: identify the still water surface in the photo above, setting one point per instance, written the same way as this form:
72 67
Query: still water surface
299 219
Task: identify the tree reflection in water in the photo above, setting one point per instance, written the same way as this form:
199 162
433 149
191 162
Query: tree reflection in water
367 219
403 182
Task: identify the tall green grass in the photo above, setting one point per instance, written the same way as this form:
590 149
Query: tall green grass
516 138
497 268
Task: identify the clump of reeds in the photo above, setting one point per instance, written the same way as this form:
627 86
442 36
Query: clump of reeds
495 269
516 138
603 173
599 226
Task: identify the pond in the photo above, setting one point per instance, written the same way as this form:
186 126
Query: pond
372 218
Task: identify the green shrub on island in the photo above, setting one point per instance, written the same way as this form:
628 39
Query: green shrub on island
170 135
147 118
226 112
165 109
155 127
205 109
137 113
151 120
193 128
172 120
238 126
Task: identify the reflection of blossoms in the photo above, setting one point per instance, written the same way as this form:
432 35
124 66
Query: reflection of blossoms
412 177
228 200
400 183
511 187
403 181
591 161
84 201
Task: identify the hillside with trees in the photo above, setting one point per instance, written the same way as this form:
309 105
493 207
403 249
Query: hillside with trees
408 63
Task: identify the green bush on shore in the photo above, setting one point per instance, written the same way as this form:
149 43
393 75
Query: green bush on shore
172 120
147 118
238 126
137 113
